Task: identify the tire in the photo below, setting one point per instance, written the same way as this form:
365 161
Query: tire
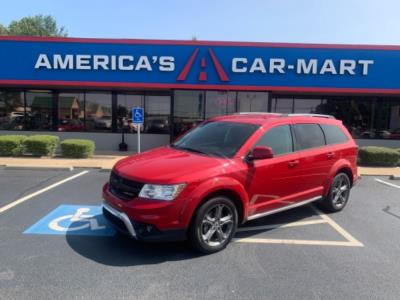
335 202
209 233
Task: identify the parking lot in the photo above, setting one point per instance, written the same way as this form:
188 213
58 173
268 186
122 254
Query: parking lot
49 249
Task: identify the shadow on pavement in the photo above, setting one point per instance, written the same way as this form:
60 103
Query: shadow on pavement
120 250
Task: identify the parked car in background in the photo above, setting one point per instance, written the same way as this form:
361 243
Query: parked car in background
70 125
229 170
104 122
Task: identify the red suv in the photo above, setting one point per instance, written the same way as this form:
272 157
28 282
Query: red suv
229 170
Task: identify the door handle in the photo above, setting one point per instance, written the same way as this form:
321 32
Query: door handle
293 163
330 155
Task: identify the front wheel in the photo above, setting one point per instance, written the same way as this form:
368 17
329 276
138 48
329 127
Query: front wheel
214 225
338 195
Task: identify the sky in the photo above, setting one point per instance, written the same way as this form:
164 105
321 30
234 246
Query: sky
301 21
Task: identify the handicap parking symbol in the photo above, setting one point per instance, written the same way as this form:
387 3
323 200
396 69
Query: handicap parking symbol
73 220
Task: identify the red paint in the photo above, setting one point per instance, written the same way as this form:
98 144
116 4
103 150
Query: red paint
198 43
203 76
185 71
203 62
261 185
111 85
220 71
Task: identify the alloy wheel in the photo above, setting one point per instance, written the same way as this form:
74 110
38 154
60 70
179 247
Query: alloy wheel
217 225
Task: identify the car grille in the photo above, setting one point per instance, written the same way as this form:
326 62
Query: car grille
123 188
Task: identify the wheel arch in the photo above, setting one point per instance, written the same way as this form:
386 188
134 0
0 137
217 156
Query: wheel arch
341 166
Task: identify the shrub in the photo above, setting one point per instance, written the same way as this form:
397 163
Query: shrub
41 145
76 148
12 145
378 156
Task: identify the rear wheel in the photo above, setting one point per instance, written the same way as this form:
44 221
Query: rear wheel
338 194
214 225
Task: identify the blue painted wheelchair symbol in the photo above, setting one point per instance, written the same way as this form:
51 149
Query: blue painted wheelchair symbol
138 115
73 219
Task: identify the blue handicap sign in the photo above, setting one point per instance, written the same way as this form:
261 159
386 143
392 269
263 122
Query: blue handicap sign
138 115
74 220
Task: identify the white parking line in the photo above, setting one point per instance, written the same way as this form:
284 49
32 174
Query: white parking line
27 197
350 240
274 226
387 183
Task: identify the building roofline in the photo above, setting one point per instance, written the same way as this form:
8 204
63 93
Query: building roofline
197 43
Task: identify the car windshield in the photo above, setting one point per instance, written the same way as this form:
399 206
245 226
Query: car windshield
216 138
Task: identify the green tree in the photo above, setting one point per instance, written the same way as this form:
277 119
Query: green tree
3 30
39 25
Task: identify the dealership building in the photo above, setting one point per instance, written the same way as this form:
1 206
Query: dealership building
86 88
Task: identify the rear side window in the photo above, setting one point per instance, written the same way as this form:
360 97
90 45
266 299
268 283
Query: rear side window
333 134
279 139
308 136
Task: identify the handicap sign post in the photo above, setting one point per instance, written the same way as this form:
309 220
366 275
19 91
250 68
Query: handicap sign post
138 119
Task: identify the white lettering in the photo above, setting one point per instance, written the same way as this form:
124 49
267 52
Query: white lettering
60 63
100 61
276 64
113 62
347 65
258 66
167 63
43 61
303 68
83 62
121 62
365 64
143 63
236 68
328 67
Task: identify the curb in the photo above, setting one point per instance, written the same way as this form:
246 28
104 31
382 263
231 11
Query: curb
394 177
42 168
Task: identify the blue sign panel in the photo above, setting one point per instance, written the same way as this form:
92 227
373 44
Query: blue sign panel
198 65
137 115
73 220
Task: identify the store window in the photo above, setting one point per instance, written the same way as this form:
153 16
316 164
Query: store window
98 112
39 110
12 110
306 106
188 110
157 114
71 112
252 101
282 105
125 104
220 103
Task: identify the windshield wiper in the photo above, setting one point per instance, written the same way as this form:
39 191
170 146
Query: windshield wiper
189 149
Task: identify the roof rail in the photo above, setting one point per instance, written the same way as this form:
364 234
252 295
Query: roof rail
257 113
312 115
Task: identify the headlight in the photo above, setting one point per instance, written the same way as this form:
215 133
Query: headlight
161 192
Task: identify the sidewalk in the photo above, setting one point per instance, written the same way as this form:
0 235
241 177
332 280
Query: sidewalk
107 160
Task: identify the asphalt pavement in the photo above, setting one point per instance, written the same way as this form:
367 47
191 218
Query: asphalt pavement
298 254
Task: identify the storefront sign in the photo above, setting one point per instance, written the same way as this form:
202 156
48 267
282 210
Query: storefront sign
202 65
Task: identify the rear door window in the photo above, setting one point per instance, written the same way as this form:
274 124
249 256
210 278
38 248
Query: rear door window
333 134
308 136
279 139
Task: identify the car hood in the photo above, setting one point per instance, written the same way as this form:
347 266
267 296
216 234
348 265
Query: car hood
168 165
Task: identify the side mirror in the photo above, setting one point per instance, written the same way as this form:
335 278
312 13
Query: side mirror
261 152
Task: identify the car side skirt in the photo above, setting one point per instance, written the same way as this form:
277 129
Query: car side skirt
274 211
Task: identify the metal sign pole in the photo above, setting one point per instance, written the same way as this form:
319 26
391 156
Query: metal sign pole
138 137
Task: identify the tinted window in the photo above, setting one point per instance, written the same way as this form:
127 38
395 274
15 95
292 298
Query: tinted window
216 138
333 134
308 136
279 139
